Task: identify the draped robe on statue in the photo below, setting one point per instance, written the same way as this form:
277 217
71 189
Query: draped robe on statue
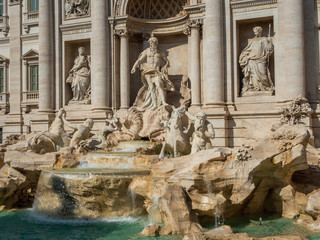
254 61
79 78
149 98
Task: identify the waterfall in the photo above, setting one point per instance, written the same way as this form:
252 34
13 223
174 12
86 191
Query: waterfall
207 182
153 210
132 196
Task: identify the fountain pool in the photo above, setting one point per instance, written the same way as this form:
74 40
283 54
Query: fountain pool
272 225
27 225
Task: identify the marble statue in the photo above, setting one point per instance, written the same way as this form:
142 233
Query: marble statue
79 78
112 126
52 140
185 92
254 61
177 140
82 131
77 8
155 78
203 132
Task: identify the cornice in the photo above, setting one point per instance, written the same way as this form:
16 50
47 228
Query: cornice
75 26
235 4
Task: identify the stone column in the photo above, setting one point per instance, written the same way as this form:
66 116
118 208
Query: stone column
124 69
100 74
194 57
46 56
15 12
291 81
214 81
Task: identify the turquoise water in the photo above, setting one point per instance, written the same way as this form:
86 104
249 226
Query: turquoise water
271 226
26 225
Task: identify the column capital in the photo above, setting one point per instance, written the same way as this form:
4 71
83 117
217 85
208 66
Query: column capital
195 23
121 32
192 23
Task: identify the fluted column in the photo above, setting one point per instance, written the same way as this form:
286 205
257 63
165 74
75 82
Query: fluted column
291 82
194 58
124 69
46 56
100 74
214 81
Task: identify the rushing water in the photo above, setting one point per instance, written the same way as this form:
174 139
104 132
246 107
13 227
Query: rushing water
27 225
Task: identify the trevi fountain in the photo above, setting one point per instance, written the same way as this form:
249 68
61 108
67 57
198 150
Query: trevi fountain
184 119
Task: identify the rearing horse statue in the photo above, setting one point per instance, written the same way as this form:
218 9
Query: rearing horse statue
177 140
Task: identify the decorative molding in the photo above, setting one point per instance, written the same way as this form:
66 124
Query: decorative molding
30 37
75 27
252 5
195 9
30 55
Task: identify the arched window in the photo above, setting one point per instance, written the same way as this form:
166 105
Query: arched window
156 9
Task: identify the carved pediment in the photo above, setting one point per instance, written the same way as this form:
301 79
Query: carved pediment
31 54
3 59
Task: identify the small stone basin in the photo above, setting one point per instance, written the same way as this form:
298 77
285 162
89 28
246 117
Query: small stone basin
88 193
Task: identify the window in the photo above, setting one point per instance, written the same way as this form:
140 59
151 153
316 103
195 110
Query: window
34 5
1 7
34 78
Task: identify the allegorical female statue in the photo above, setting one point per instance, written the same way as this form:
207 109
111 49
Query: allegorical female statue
79 78
254 61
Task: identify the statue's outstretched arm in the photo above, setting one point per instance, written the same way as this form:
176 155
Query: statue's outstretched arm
141 58
192 118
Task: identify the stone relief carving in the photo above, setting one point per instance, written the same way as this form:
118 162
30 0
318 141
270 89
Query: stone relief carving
81 132
254 61
177 142
79 79
243 152
299 108
155 78
77 8
52 140
203 132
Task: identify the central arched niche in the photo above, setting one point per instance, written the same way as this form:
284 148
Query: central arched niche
156 9
166 19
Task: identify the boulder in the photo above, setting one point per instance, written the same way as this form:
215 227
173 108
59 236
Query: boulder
175 208
152 231
29 161
313 205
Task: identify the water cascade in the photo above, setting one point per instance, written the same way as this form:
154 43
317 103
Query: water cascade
97 189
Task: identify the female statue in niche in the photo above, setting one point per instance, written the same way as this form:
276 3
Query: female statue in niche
254 61
79 78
